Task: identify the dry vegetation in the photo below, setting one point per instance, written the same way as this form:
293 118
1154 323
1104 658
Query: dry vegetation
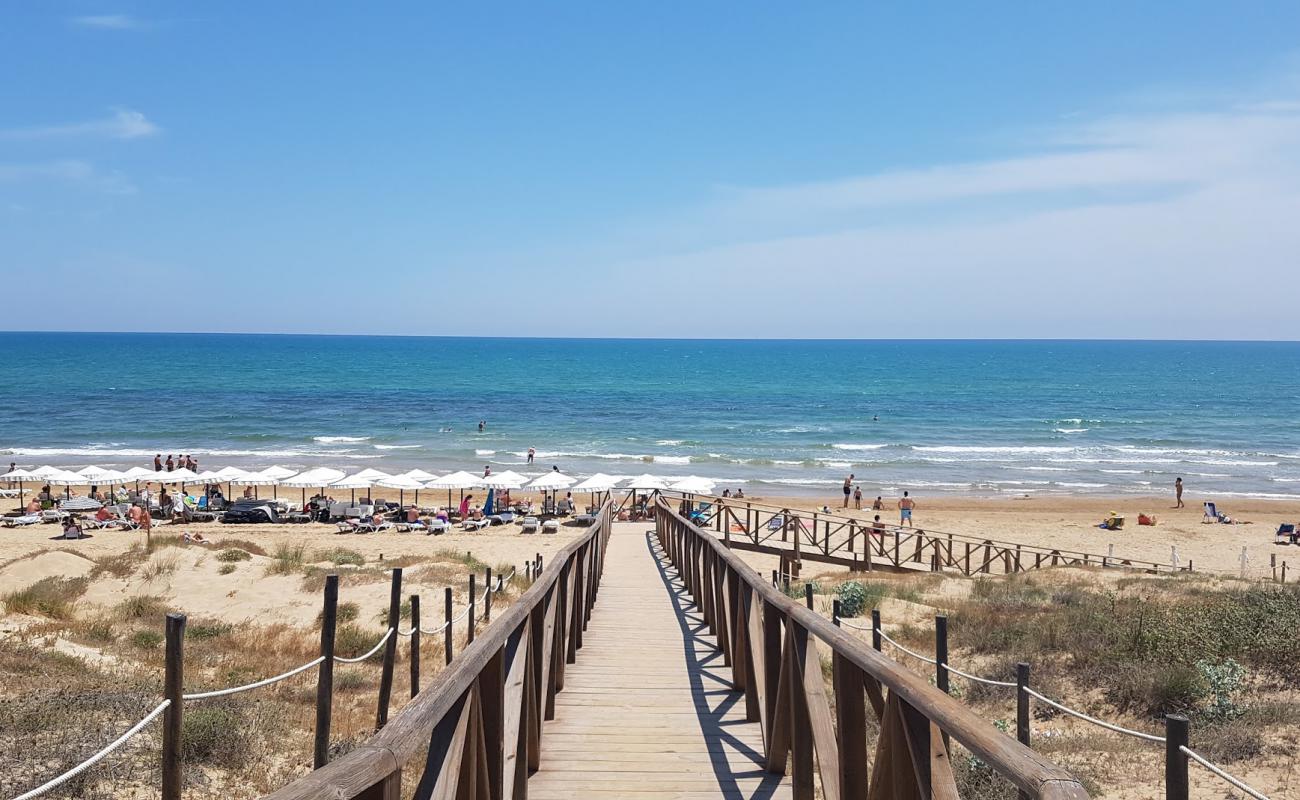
75 675
1125 647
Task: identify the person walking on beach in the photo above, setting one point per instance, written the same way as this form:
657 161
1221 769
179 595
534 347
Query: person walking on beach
848 490
905 506
1178 493
857 497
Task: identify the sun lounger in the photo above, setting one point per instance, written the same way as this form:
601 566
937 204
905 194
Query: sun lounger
586 518
1212 514
1114 522
504 518
53 515
550 526
371 527
438 526
475 524
531 525
23 521
1286 534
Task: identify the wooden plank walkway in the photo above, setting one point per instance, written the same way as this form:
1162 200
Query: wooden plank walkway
647 710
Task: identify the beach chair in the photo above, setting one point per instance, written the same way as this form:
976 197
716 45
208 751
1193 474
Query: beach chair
585 518
551 526
504 518
438 526
1212 514
1286 533
23 521
531 525
371 527
476 524
1115 522
121 519
702 515
53 515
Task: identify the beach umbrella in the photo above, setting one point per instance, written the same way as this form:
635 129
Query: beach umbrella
278 472
20 475
596 484
372 475
457 480
256 479
401 483
96 474
693 485
181 476
551 482
646 483
420 475
65 479
352 482
317 478
135 474
487 506
43 473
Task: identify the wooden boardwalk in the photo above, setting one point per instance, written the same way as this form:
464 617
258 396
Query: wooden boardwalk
647 710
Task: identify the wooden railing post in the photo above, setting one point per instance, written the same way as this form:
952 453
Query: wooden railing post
487 597
173 716
1022 710
415 645
875 628
808 595
390 648
1175 760
473 605
325 673
448 641
941 652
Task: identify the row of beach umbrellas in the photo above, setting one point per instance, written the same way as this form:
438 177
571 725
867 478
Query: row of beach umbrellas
328 478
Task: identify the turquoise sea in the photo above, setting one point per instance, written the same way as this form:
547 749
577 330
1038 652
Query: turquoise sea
973 417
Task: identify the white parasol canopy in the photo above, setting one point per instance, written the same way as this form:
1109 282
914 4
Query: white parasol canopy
97 474
20 475
600 482
504 480
552 481
314 478
372 475
41 473
420 475
279 473
65 478
356 481
646 483
228 473
181 475
694 485
255 479
137 473
456 480
401 482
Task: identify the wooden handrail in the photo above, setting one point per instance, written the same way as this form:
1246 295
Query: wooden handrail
770 641
862 527
491 698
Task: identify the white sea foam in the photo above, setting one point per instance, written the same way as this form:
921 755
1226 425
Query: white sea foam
672 459
1069 430
798 481
859 446
991 449
1039 469
1082 485
490 453
340 439
1125 471
398 446
668 442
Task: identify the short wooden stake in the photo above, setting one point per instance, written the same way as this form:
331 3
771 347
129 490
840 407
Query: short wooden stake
173 690
487 597
325 673
473 603
835 613
1175 761
447 640
415 645
875 628
1022 709
941 652
390 649
808 595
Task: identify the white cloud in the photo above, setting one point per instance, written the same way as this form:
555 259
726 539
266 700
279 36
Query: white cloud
69 171
123 123
113 22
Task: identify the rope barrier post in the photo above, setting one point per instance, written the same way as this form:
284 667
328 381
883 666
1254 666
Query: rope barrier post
325 673
1022 709
1175 762
774 581
808 595
469 623
447 640
415 645
487 599
390 648
173 691
835 613
941 652
875 629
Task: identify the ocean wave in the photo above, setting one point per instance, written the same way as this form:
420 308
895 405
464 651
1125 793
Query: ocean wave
859 446
1038 469
340 439
1284 480
1260 495
1081 485
672 459
1070 430
492 453
991 449
1125 471
798 481
398 446
670 442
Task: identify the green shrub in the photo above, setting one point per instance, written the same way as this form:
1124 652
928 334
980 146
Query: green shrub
287 559
226 569
147 640
141 606
213 734
350 680
340 556
1156 690
205 629
351 641
233 554
853 598
1223 682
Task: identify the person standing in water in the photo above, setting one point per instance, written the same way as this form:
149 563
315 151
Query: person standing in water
857 497
848 490
905 506
1178 493
532 453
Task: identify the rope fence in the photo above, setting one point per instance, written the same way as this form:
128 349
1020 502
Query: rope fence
1175 740
54 783
97 757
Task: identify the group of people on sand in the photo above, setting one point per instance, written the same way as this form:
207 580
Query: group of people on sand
172 463
906 505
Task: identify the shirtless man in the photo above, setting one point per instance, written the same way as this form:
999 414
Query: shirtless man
905 506
848 490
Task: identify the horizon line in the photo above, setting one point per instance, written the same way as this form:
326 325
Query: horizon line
651 338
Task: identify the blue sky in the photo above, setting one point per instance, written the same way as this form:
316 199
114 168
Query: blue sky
673 169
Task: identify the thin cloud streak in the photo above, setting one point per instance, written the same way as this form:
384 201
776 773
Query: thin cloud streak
111 22
123 123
